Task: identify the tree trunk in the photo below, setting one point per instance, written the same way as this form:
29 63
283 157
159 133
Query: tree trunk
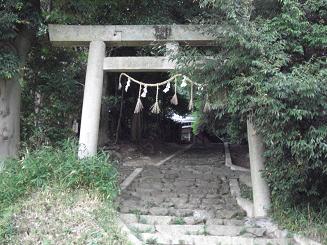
10 100
50 6
10 91
10 94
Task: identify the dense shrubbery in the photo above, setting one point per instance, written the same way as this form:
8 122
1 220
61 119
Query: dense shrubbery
274 67
49 166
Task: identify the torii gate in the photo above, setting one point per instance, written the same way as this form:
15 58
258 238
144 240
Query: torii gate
97 37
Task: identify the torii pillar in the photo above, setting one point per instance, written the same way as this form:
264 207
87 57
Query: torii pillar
88 140
261 194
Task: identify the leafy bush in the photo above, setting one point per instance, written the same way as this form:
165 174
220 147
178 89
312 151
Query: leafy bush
8 65
48 113
303 219
273 67
49 166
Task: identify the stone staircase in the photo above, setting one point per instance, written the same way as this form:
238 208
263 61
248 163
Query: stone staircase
187 201
151 229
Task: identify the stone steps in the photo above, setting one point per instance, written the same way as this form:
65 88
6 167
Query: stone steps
208 230
165 239
188 201
165 220
169 230
220 213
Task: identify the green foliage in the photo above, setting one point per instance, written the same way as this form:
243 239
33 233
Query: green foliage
9 64
8 19
16 15
52 94
246 192
296 138
121 12
274 69
178 221
51 214
50 166
304 220
6 226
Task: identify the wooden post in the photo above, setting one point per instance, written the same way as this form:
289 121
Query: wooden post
9 118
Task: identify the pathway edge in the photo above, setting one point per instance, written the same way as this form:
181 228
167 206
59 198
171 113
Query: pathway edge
228 160
173 155
130 236
247 205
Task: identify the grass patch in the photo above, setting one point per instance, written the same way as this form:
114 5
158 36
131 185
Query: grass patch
54 216
203 232
58 167
50 195
178 221
152 241
305 221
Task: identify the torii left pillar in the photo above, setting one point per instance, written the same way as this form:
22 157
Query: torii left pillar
88 140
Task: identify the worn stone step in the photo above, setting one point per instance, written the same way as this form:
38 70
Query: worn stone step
165 220
177 230
164 239
234 222
146 219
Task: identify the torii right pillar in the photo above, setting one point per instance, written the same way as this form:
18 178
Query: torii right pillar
261 195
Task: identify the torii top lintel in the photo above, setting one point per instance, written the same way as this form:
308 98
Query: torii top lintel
129 35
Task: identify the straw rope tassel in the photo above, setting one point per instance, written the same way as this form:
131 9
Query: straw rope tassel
139 105
174 99
190 104
155 107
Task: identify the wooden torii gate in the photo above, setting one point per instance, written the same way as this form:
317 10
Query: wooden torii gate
97 37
